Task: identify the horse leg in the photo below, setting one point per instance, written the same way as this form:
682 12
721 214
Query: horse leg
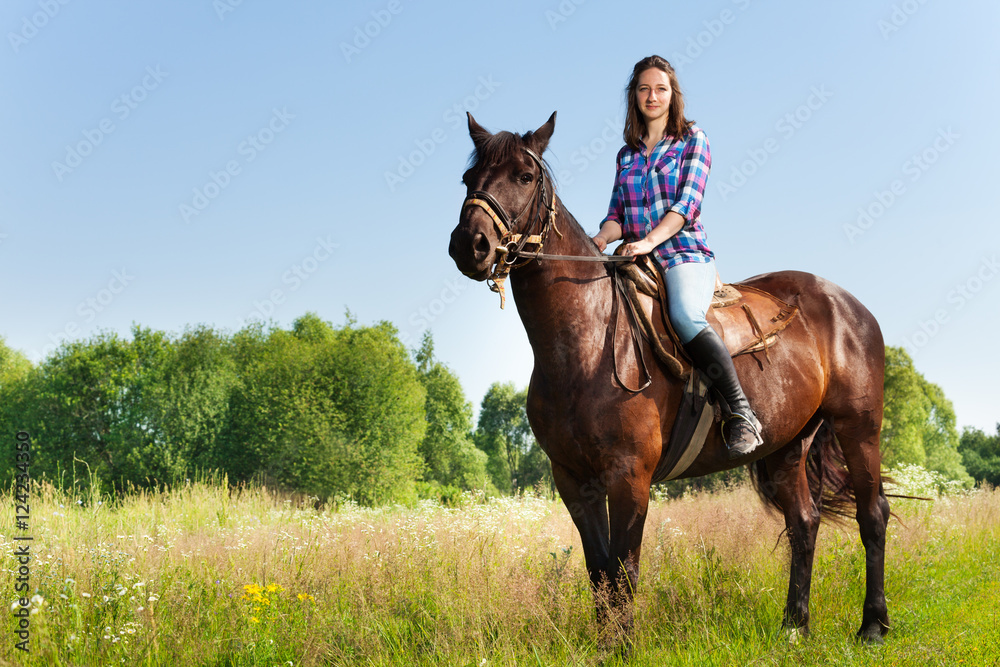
628 502
587 505
788 484
859 440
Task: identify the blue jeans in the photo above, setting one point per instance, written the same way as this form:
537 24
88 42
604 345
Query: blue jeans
689 294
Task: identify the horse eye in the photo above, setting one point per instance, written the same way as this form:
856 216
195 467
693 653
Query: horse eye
526 178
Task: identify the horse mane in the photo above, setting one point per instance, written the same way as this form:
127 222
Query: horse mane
504 146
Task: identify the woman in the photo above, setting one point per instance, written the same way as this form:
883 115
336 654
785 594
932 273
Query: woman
655 207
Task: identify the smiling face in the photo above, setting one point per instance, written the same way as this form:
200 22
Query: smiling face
652 94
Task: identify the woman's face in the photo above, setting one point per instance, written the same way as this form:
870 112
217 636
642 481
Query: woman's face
652 94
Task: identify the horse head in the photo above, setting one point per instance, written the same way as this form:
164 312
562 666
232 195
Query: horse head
506 175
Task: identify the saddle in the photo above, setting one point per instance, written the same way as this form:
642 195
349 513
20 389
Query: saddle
747 319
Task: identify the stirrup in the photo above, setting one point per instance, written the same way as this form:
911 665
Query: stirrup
755 426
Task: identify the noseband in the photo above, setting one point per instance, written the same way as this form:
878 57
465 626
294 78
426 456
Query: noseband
511 244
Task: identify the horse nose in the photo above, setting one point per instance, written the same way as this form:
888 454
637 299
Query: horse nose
475 249
480 246
453 247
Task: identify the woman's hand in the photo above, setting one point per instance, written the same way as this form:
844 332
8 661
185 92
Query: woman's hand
643 247
610 232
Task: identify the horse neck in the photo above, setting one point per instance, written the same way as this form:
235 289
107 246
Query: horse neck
560 302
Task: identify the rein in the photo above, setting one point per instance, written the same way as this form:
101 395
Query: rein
606 259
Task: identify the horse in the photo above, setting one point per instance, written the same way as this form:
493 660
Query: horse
820 397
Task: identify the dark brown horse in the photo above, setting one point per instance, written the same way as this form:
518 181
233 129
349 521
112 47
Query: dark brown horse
819 398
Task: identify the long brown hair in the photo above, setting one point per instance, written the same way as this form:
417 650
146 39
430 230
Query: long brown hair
635 125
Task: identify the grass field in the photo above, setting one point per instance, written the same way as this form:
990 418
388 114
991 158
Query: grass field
201 576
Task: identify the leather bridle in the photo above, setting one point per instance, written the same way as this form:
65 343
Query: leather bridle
511 253
512 244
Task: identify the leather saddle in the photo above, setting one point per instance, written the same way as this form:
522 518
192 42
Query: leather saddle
747 319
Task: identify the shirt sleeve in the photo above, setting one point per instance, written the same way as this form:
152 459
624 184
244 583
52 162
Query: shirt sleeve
696 162
616 209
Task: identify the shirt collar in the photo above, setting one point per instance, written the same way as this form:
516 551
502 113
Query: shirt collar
667 146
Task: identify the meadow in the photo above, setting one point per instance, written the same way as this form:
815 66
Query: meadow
206 575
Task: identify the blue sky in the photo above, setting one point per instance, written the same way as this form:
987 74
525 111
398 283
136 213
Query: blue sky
171 164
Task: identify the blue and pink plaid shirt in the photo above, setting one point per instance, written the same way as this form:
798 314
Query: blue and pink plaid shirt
673 178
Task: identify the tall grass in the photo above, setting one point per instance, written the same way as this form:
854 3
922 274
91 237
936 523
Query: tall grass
202 575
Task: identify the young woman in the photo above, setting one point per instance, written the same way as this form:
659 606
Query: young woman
655 207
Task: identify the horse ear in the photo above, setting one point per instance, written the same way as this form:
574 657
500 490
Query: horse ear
540 137
478 133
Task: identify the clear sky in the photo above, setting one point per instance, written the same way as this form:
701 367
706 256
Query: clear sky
189 162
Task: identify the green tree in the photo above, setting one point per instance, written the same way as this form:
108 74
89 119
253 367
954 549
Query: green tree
918 423
326 411
981 455
905 410
376 388
449 453
93 401
190 399
15 374
315 409
515 461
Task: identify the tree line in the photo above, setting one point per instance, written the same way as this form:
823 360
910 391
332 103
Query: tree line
334 412
340 413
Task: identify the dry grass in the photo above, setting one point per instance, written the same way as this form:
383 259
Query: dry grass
161 578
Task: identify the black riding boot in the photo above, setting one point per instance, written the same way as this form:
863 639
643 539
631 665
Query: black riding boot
710 355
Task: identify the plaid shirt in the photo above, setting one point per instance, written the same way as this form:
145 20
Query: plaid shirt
672 179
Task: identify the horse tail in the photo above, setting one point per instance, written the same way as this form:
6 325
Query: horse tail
826 470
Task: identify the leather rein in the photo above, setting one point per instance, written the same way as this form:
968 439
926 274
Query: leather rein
510 251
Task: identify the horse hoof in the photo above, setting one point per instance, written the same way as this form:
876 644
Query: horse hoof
873 633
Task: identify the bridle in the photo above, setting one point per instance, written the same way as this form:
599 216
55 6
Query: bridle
510 251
